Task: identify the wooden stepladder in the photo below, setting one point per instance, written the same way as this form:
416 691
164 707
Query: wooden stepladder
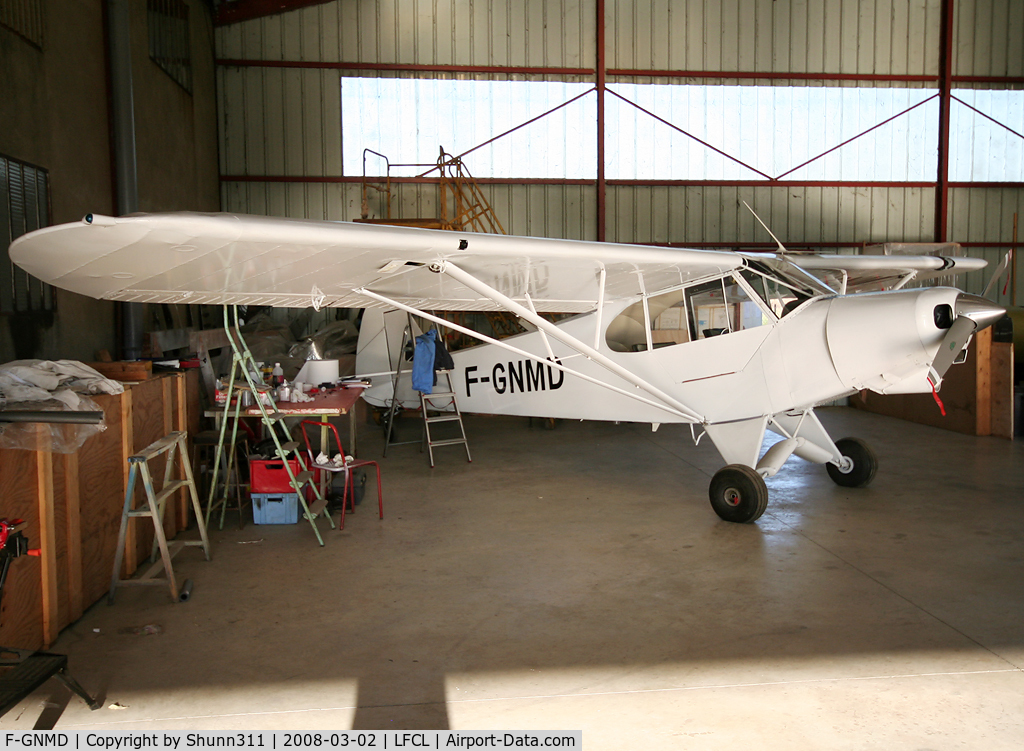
171 444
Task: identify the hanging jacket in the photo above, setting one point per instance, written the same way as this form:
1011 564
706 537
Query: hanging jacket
442 360
423 377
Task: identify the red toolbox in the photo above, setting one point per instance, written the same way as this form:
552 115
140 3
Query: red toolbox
271 476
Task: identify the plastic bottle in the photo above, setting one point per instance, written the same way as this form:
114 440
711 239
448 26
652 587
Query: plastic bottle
277 375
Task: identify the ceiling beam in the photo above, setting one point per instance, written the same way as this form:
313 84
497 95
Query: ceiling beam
234 11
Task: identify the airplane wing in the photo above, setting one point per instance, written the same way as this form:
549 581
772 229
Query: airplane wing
253 260
867 273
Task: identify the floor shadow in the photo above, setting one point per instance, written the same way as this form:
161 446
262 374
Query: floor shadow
423 707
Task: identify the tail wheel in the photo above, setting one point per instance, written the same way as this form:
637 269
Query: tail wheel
738 494
861 464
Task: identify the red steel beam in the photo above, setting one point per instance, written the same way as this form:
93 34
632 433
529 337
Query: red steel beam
945 92
987 117
1018 186
329 179
705 144
988 79
615 72
768 184
602 185
774 75
405 67
513 130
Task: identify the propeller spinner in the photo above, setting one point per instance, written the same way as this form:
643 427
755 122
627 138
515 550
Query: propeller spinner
972 313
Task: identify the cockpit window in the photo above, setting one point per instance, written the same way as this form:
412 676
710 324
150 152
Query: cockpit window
700 311
721 307
782 285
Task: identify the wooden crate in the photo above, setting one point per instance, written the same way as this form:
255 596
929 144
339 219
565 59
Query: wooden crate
128 370
72 503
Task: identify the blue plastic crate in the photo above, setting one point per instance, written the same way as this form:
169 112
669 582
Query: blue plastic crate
275 508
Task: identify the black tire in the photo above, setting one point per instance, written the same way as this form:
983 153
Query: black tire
738 494
865 464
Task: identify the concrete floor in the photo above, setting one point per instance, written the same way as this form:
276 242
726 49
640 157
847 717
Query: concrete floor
578 579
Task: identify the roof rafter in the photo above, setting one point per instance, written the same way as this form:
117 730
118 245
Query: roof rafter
235 11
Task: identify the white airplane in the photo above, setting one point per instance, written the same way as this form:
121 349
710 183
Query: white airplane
732 344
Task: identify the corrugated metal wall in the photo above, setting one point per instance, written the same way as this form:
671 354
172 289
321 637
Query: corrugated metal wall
833 36
549 33
286 121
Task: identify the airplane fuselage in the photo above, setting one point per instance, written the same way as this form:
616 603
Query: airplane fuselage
828 347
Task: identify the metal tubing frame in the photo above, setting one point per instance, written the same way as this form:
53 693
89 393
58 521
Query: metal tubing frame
512 306
522 353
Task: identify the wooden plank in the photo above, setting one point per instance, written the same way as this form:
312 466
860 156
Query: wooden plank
43 483
1002 390
130 370
73 533
60 523
20 622
102 472
167 401
181 423
127 449
147 418
983 381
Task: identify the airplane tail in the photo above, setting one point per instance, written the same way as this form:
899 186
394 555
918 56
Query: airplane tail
378 353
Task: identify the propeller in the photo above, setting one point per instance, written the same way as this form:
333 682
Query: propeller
973 313
998 273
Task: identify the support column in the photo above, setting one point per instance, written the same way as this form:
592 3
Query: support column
945 91
122 98
602 215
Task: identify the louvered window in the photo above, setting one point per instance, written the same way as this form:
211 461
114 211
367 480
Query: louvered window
24 206
169 39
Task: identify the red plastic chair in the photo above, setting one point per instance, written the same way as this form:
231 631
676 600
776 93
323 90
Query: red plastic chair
348 498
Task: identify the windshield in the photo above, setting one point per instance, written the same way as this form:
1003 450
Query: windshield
781 284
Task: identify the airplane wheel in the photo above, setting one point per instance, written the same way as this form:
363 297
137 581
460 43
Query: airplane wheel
738 494
865 464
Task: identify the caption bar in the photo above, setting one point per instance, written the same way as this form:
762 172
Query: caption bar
275 741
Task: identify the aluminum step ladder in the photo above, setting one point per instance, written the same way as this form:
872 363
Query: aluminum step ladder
442 415
395 408
156 502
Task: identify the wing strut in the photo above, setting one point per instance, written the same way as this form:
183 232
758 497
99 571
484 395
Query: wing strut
523 353
449 268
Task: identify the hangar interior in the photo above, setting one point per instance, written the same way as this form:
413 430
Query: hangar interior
571 578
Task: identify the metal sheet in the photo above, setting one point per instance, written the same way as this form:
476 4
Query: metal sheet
715 214
988 38
868 37
456 32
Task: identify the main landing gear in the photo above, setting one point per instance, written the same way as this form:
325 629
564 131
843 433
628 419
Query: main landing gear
859 464
739 494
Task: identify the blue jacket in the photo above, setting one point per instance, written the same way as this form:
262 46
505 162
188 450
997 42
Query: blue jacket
423 377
